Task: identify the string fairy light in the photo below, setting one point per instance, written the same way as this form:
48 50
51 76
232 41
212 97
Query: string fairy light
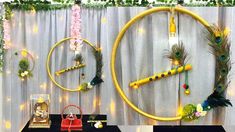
230 92
35 28
22 106
60 99
43 85
61 47
33 11
7 124
103 20
20 24
112 107
140 30
94 102
8 99
8 71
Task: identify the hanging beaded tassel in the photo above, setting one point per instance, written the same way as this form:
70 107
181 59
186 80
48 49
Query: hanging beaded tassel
186 85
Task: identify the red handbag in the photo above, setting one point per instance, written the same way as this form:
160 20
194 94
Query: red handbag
71 122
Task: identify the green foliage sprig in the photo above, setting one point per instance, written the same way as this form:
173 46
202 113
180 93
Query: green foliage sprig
31 5
2 51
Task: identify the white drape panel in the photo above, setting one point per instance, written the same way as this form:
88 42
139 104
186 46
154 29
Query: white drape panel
139 55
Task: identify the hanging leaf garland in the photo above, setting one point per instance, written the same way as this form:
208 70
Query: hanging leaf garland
2 51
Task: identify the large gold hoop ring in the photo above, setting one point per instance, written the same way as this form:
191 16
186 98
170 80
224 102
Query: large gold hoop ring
117 42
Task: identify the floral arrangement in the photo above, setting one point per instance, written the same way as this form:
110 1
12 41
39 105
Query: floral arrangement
76 28
24 71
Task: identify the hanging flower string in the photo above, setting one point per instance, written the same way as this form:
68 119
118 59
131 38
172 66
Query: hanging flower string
6 34
76 29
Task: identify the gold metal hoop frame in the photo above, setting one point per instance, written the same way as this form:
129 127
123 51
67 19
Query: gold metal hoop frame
49 57
118 40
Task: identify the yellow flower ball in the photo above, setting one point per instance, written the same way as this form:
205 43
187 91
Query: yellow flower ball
24 52
187 92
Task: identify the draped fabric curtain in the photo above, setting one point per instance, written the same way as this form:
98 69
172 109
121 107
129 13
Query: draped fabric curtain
140 55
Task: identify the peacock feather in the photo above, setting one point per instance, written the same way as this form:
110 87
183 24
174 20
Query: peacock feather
177 53
216 99
99 63
220 47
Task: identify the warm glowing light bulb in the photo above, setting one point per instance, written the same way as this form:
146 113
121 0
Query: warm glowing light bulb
230 92
94 103
21 107
43 85
140 30
8 72
8 124
60 99
8 99
112 107
35 28
103 20
33 11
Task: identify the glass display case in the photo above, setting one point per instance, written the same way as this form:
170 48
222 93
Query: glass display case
39 111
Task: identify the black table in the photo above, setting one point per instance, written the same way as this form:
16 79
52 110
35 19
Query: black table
194 128
56 121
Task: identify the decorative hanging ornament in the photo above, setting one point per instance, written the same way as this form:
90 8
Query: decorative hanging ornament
26 63
186 85
75 44
172 30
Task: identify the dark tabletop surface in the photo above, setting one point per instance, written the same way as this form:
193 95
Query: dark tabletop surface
56 122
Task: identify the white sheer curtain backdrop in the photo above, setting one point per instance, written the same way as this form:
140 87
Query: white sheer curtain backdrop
140 55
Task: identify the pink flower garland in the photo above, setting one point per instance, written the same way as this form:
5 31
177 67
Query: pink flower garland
6 34
76 28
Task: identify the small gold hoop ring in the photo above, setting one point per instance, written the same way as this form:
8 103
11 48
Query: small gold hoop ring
49 57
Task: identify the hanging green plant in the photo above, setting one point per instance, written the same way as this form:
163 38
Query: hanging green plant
24 71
